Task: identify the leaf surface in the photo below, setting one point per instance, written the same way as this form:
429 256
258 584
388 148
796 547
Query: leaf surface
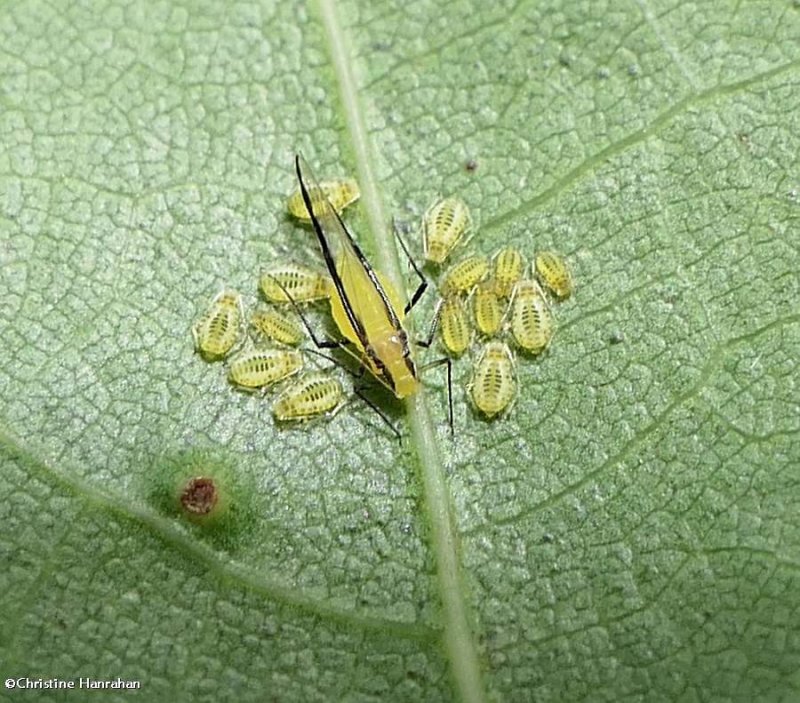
629 531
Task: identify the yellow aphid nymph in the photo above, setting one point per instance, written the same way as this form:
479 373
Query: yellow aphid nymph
554 274
509 267
443 226
340 193
217 331
277 326
493 384
301 283
488 308
531 319
313 394
465 275
454 326
259 368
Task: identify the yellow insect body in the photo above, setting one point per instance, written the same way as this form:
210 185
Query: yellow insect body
258 368
553 272
454 326
217 331
488 308
364 304
465 275
277 326
340 193
301 283
443 226
509 265
493 385
531 319
313 394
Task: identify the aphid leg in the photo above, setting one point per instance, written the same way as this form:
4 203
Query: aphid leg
358 375
423 282
319 343
379 412
425 343
440 362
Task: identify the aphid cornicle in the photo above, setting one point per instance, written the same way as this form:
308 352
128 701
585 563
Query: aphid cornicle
454 327
340 194
531 319
465 275
443 225
313 394
303 284
217 331
488 308
277 326
493 385
509 265
554 274
259 368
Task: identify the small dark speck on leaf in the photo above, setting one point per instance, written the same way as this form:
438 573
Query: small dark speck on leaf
633 70
603 73
383 45
199 495
617 337
565 60
471 165
547 538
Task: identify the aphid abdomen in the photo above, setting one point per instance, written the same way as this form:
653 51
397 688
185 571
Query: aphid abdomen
465 275
493 384
487 308
454 327
277 326
552 270
313 394
509 266
301 283
532 323
217 331
443 226
258 368
340 193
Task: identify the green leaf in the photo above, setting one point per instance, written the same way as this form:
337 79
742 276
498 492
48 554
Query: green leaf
628 532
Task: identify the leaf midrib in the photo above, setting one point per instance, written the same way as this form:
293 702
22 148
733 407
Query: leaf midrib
459 643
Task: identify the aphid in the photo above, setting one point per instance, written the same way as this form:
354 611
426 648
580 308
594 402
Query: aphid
493 385
531 320
487 308
553 272
313 394
340 194
509 265
258 368
277 326
301 283
462 277
217 331
443 226
364 304
454 327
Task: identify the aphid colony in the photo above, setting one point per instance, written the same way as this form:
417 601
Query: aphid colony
493 299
